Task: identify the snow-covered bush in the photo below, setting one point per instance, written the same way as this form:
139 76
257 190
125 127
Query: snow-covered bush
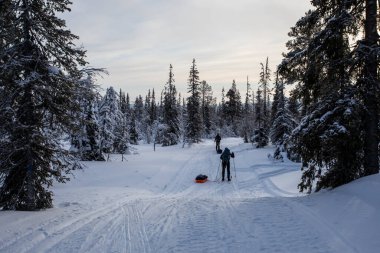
260 138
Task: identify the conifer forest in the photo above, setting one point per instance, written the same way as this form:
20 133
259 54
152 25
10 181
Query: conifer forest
319 106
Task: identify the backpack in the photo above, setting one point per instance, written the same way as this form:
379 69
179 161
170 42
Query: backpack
201 177
225 155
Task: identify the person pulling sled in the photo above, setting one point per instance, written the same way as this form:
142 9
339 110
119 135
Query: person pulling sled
225 157
217 141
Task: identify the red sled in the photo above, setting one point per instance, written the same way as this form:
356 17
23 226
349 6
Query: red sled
200 181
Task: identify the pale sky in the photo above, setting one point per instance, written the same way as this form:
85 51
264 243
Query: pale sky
136 40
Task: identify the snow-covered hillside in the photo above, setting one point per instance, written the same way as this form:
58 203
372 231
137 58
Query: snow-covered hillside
150 203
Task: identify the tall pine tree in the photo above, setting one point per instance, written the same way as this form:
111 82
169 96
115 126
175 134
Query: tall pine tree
194 115
233 108
207 100
170 112
260 134
39 73
247 124
264 82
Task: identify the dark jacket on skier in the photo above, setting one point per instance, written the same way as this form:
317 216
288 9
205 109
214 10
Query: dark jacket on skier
217 140
225 157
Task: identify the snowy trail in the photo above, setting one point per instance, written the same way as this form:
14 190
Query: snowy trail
173 214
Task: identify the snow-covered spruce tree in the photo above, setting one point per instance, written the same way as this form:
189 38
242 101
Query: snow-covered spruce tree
253 109
213 115
153 118
39 73
120 144
259 108
289 118
153 109
194 115
133 132
86 139
182 119
264 83
127 105
121 131
207 100
160 107
276 95
247 123
109 116
259 136
158 127
283 123
293 108
147 122
170 112
233 108
139 114
298 66
321 60
146 119
124 106
330 143
127 112
221 116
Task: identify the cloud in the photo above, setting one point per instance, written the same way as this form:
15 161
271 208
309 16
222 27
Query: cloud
136 40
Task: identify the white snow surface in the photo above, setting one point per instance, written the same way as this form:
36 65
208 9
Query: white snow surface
150 203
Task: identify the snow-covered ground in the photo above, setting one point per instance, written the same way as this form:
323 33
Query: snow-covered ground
150 203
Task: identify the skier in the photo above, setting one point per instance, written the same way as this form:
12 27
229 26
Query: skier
217 141
225 157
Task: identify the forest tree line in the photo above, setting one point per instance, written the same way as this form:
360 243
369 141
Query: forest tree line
110 123
329 122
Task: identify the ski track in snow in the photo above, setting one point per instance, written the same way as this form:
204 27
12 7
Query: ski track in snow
249 214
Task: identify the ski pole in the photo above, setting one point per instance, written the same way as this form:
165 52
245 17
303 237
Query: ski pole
217 173
234 167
